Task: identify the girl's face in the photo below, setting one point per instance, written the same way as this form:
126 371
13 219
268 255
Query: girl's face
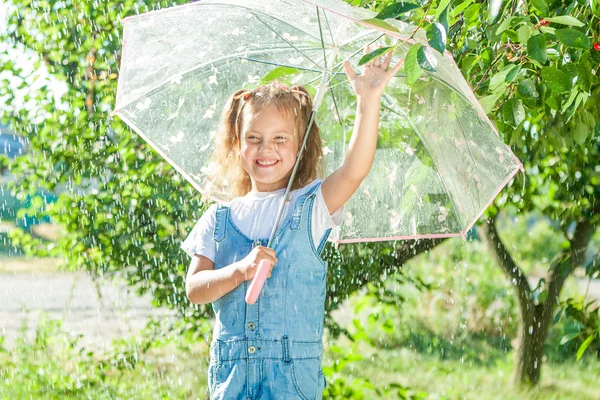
268 148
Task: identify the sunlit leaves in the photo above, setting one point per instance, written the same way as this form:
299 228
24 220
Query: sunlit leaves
541 6
527 89
436 35
411 65
426 58
396 9
536 48
279 73
556 79
380 24
574 38
565 20
374 54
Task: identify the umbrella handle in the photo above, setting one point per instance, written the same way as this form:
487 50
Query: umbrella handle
258 281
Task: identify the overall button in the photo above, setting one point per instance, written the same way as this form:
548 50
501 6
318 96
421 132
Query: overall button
251 349
251 326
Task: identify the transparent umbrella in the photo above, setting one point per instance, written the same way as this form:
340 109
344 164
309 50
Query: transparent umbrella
439 160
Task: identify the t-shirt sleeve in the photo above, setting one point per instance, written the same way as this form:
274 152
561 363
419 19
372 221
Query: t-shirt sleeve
200 239
334 219
322 220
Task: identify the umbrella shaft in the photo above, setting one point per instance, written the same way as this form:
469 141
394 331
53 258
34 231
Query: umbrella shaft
316 104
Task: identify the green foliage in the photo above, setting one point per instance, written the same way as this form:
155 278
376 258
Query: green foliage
396 9
53 364
375 53
458 307
581 325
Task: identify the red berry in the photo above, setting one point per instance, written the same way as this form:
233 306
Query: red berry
543 22
597 46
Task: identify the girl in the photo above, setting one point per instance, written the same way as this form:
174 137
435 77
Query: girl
272 349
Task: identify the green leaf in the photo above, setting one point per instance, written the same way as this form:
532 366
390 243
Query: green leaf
580 131
436 35
411 66
499 79
524 33
277 73
586 343
380 24
573 38
542 6
565 20
443 6
584 77
568 337
426 59
488 102
556 79
460 8
536 48
472 14
396 9
443 19
504 25
513 112
527 89
374 54
512 73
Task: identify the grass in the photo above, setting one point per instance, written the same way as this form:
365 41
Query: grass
158 366
447 378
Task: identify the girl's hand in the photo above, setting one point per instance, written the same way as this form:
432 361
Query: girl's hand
375 76
249 265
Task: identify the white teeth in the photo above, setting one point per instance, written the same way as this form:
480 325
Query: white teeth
266 163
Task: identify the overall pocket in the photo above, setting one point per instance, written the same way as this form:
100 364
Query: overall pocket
307 378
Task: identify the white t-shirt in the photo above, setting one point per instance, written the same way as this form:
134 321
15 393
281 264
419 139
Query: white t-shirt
254 215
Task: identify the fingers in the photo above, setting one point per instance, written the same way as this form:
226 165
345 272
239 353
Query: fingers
269 255
387 60
377 60
397 67
349 71
367 50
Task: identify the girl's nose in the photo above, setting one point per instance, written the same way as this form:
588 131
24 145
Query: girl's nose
267 145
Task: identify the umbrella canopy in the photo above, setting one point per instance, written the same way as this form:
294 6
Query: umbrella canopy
439 160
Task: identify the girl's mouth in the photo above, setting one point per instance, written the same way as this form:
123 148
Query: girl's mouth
266 164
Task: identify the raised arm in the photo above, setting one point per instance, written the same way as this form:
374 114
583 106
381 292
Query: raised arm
338 187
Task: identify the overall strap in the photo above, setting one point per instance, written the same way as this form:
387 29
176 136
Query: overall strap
220 223
298 207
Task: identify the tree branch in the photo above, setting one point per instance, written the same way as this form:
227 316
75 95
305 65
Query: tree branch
339 287
508 265
568 262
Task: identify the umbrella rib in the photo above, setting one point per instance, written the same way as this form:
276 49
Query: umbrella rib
357 51
321 36
287 41
455 209
340 65
329 28
336 108
279 64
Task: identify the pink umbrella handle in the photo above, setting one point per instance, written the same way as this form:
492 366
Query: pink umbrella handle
258 281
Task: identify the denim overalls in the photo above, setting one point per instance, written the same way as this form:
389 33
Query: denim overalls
271 349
